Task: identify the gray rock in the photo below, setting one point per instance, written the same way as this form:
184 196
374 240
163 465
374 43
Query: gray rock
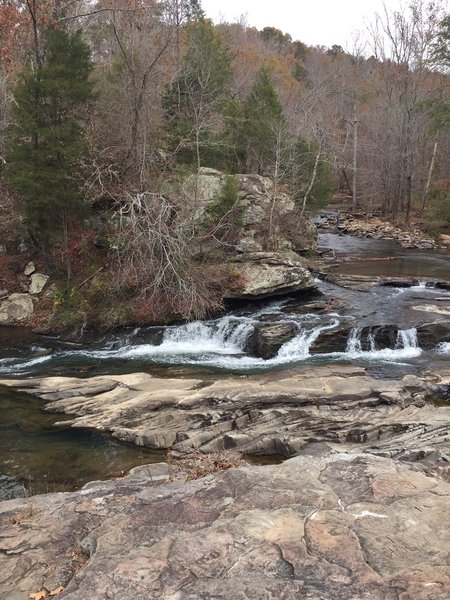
38 281
320 526
265 274
260 414
17 307
22 247
2 248
268 338
30 268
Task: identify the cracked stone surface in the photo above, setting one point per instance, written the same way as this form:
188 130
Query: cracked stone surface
276 413
328 526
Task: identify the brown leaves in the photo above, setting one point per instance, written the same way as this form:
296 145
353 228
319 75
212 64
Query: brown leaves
39 595
44 593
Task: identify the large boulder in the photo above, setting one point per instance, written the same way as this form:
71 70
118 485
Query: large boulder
263 206
266 274
267 338
38 281
17 307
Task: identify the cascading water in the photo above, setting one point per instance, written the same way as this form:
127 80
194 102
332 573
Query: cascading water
406 346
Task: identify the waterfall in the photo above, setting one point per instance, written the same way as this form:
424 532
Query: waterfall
406 346
226 335
406 339
354 344
299 347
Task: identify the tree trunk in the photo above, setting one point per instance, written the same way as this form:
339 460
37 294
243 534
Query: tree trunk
355 148
430 175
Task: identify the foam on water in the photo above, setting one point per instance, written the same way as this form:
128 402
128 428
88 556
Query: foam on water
443 349
222 343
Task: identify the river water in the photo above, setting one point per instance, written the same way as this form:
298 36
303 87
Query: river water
35 453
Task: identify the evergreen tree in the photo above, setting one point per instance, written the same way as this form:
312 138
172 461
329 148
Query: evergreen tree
255 126
48 140
194 100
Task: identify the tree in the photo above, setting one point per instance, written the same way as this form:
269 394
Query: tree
48 139
256 124
404 42
195 99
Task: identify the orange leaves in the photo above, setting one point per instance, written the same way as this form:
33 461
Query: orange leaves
38 595
44 593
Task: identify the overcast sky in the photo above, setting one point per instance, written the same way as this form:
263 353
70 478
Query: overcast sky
314 22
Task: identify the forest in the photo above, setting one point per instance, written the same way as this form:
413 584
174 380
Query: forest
107 108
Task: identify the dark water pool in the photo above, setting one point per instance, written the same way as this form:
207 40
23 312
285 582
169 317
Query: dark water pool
36 456
385 258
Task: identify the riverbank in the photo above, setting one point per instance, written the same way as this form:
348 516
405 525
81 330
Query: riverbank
328 526
377 228
275 413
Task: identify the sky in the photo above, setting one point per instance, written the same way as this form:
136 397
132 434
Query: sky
313 22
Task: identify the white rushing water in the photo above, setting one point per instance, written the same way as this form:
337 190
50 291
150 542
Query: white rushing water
443 349
224 343
406 346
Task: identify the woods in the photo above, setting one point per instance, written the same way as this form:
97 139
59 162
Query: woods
107 107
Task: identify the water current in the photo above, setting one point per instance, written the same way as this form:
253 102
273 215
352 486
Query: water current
34 451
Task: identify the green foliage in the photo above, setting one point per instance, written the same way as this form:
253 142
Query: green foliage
70 309
276 37
441 48
197 95
335 50
438 112
438 209
226 199
253 127
301 173
48 139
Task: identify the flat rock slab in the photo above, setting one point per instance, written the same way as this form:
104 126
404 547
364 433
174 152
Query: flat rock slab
274 413
324 527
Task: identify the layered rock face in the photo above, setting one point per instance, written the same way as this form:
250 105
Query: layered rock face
264 255
275 413
320 527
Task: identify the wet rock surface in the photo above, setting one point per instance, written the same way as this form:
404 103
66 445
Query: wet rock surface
322 526
275 413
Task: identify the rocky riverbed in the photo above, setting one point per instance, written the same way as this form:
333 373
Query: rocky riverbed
275 413
321 526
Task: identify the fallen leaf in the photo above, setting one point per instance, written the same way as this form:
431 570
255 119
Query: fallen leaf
38 595
57 591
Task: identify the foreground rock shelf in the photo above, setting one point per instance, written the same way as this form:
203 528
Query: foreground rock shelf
321 526
275 413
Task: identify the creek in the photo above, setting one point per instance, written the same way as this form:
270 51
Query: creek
379 328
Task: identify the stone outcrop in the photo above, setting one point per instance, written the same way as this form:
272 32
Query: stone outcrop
38 281
262 273
267 274
274 413
258 199
321 526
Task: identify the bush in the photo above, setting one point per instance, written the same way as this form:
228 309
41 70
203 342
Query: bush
438 210
225 211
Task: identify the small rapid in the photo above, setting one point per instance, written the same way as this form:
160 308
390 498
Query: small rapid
223 344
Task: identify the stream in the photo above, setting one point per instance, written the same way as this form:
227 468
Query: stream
380 328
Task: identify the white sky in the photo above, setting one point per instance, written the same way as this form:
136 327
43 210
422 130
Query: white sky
313 22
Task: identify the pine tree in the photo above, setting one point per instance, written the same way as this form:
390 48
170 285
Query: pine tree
256 124
48 140
194 101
